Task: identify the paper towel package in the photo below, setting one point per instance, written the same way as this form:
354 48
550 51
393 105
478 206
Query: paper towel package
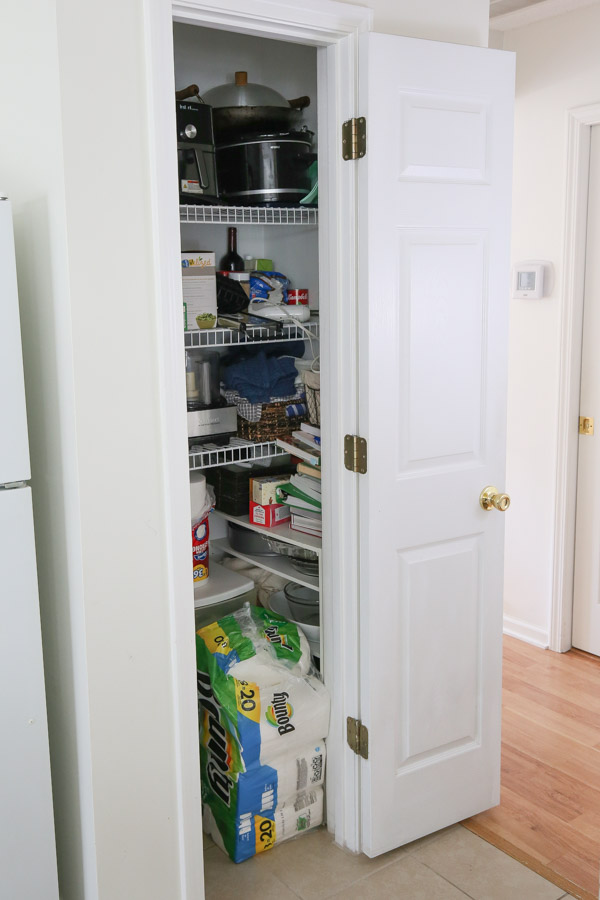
262 735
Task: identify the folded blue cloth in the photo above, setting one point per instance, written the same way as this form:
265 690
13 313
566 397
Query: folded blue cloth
260 377
296 409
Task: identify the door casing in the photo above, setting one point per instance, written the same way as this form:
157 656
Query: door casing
334 29
580 122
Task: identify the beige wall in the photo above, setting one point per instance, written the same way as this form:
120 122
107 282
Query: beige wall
558 67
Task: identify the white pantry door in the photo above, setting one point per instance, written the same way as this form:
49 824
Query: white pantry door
434 198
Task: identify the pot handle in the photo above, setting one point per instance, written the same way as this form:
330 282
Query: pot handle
300 103
191 91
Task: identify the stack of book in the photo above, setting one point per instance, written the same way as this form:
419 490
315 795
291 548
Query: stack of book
303 491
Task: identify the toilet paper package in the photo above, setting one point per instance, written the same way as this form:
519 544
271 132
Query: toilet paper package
261 735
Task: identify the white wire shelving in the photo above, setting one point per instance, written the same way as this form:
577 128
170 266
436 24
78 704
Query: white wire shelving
254 334
207 457
248 215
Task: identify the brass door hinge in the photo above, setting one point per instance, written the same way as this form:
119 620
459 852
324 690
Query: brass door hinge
354 138
355 453
586 425
357 736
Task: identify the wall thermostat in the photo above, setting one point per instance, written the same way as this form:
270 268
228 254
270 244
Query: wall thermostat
532 279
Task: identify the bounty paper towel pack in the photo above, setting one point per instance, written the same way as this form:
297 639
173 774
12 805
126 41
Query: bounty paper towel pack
298 814
300 770
261 735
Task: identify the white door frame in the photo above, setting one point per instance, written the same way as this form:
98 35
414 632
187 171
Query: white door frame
334 27
580 122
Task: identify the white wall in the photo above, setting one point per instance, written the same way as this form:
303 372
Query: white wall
31 173
459 21
78 183
119 450
80 187
558 67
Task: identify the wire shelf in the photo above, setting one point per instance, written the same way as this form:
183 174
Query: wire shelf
255 334
237 451
248 215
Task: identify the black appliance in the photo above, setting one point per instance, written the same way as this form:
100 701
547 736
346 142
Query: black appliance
266 168
196 153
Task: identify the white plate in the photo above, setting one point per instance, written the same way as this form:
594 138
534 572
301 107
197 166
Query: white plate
278 604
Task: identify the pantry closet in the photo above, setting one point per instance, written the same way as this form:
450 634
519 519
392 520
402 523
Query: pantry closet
404 259
251 560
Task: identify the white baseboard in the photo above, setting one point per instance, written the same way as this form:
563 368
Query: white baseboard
526 632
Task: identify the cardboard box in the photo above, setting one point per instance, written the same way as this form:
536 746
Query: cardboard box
262 489
269 515
199 290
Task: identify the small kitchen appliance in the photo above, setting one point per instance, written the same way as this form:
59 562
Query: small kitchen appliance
196 153
208 415
266 168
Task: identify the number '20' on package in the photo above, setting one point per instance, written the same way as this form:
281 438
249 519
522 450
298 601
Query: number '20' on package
264 717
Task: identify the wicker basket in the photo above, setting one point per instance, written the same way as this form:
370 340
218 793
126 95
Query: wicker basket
273 423
312 381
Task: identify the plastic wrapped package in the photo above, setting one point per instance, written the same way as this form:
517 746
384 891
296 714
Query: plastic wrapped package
264 717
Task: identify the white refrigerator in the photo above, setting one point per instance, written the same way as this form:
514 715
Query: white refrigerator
27 843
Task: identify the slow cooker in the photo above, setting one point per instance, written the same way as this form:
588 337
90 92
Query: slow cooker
265 168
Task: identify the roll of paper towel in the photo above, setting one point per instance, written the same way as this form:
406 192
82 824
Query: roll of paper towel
299 770
304 812
292 713
265 670
198 495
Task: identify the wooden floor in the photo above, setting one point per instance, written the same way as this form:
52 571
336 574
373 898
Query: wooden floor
549 814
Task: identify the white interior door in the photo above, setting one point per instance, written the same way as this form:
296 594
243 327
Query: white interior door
586 587
434 191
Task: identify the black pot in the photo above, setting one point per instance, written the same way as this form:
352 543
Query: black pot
267 169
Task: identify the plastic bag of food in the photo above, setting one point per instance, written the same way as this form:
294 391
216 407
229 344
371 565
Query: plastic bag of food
268 286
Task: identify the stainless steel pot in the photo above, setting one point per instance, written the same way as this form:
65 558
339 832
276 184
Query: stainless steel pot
248 108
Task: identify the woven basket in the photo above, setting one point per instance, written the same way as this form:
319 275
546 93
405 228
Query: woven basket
273 423
312 382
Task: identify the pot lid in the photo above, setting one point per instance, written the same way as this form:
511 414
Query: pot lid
243 93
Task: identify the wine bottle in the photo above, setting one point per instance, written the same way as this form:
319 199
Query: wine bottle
232 261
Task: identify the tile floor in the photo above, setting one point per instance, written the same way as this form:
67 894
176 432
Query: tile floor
450 865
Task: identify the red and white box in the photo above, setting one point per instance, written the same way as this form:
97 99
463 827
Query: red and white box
270 514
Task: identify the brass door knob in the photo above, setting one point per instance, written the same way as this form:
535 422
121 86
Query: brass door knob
491 497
